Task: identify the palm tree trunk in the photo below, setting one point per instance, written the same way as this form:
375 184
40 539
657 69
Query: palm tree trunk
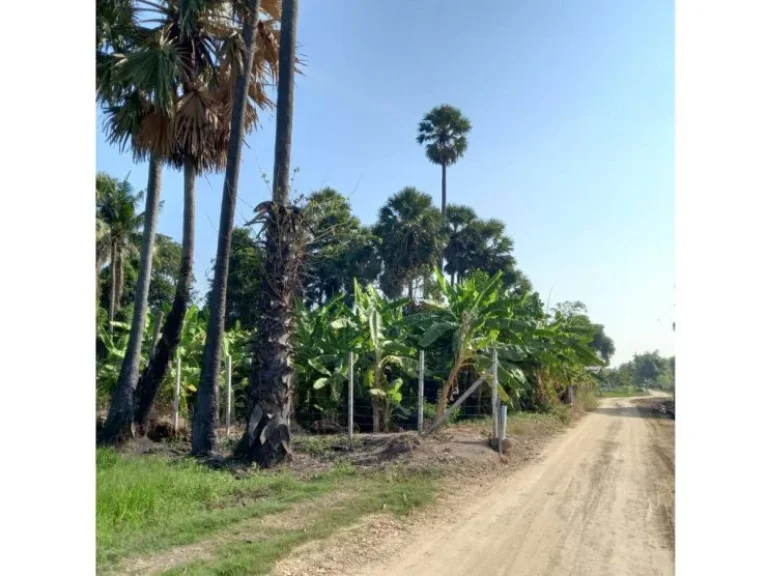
206 417
160 362
156 335
267 439
120 417
445 192
119 275
112 286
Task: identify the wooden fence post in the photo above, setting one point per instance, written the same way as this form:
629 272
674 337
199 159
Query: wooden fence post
495 394
177 394
228 417
421 392
502 427
351 398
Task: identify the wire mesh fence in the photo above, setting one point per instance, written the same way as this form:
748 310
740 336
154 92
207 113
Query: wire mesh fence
328 411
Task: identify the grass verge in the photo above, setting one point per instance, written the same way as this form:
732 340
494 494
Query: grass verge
396 494
148 504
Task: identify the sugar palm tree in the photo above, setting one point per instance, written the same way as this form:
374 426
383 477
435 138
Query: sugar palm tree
135 86
476 244
205 418
444 131
118 227
267 439
412 239
456 253
201 135
171 94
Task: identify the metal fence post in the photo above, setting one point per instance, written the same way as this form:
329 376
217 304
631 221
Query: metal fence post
228 417
495 393
351 398
421 391
502 427
177 395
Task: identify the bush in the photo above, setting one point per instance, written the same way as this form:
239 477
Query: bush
586 399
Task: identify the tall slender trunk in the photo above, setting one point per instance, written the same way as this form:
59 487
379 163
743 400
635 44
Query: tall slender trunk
120 416
445 192
410 289
112 286
267 438
160 362
119 275
156 335
206 416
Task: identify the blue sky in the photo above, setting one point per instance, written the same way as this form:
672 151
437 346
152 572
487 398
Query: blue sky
572 146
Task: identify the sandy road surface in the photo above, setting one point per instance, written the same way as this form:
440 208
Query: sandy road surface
600 502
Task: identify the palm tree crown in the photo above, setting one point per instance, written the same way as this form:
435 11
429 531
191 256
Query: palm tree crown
412 237
118 231
444 130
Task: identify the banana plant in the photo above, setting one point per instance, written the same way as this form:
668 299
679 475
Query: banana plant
382 349
324 338
237 345
470 320
111 347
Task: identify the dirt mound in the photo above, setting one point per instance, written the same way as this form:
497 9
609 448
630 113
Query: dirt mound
507 445
401 445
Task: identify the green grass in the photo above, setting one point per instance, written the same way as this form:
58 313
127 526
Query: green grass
149 503
623 392
392 492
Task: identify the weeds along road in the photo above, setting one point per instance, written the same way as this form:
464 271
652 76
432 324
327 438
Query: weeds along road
599 502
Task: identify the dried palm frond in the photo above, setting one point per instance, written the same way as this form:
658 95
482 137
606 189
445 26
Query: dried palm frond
156 134
196 126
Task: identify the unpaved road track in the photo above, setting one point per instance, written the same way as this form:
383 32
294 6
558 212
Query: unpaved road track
599 502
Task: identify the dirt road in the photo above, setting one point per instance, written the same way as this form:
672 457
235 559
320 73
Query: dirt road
599 502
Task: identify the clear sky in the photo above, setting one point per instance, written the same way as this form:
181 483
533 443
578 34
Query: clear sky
572 146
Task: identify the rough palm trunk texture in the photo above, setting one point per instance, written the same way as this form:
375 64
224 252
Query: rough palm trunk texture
267 437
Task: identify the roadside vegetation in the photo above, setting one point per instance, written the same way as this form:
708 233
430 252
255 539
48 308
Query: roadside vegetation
647 370
623 392
293 294
150 503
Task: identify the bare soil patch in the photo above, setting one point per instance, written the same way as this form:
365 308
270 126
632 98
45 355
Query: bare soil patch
476 468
